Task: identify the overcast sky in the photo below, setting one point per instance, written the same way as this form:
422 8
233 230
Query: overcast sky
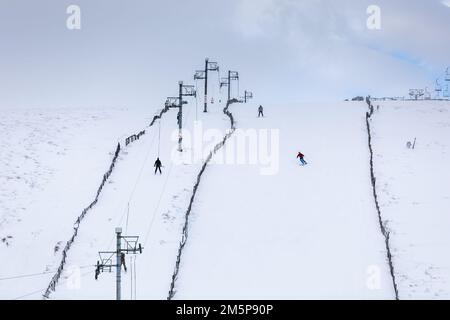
132 53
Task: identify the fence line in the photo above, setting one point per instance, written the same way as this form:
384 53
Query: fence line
383 228
56 277
184 236
158 116
134 137
54 281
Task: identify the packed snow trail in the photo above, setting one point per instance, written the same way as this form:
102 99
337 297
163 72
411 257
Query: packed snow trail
144 204
303 232
413 191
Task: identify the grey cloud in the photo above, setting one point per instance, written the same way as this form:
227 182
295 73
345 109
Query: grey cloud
133 52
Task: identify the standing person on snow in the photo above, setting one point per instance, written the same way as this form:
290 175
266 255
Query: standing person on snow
260 111
301 156
158 166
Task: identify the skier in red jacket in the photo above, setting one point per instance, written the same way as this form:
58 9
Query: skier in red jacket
301 156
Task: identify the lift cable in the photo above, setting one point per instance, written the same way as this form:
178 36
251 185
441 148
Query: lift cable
31 275
59 283
157 205
135 282
237 88
135 185
128 214
196 101
131 277
161 195
159 135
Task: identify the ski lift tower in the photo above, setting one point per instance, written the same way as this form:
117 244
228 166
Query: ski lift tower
445 92
106 262
447 79
172 102
247 95
183 91
203 75
427 94
226 82
419 93
438 89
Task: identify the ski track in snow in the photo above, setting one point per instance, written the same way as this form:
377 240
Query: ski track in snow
306 232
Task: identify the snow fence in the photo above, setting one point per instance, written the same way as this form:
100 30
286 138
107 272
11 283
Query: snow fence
54 281
373 179
184 235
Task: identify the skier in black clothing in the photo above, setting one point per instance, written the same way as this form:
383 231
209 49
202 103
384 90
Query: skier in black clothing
122 261
158 166
260 111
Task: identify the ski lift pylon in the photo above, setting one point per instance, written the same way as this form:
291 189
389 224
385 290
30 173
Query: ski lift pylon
446 93
438 88
427 94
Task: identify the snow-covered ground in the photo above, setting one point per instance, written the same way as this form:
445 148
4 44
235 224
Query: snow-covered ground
303 232
414 192
143 204
271 229
51 164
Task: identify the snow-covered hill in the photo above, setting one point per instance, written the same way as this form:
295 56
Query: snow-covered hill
261 225
51 164
144 204
303 232
414 192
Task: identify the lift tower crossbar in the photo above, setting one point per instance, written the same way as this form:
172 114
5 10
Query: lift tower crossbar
247 95
203 75
183 91
131 245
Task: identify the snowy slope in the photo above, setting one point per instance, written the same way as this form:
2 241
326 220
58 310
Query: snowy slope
51 164
414 192
304 232
144 204
265 229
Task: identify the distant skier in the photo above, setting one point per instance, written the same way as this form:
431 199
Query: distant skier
158 166
301 157
260 111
